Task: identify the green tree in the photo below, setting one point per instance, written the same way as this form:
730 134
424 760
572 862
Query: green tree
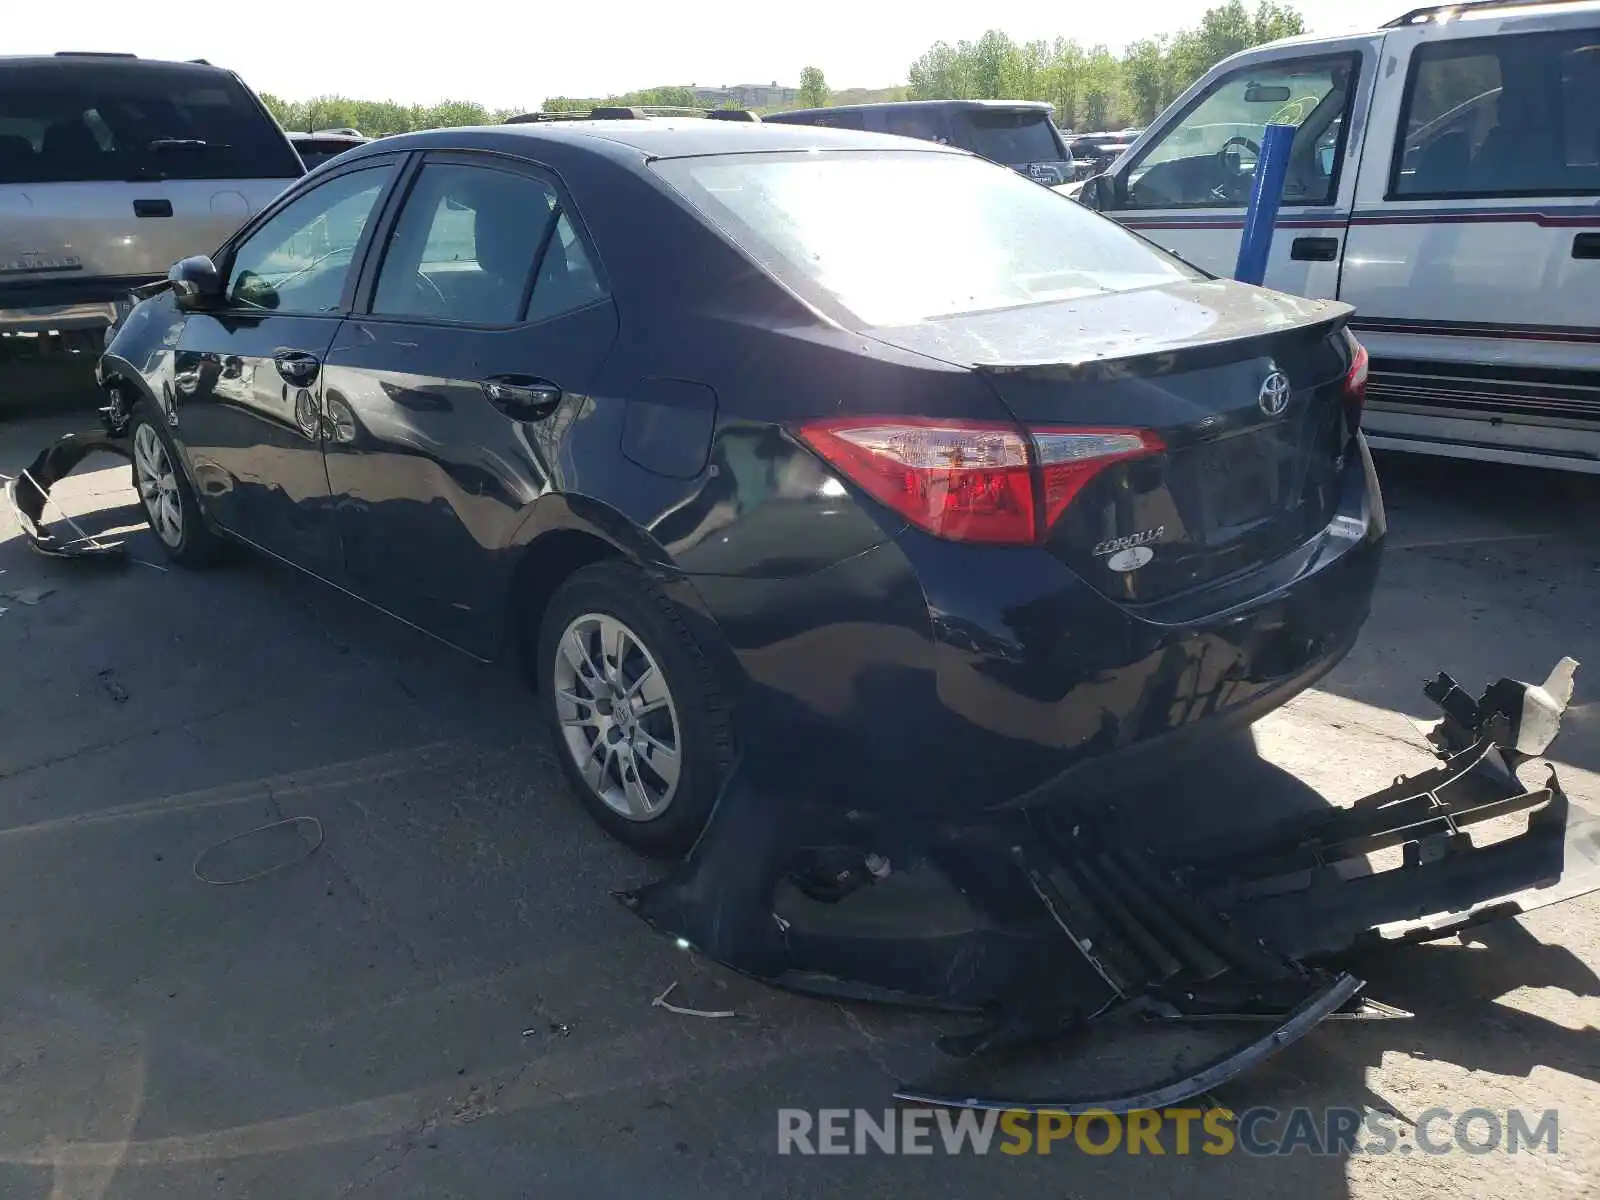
1228 29
1148 77
813 88
1093 88
994 61
942 73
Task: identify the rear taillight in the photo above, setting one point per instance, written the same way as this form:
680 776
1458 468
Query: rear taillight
1355 379
1070 458
972 481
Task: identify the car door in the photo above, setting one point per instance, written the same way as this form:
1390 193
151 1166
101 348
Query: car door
1474 260
248 376
487 322
1187 184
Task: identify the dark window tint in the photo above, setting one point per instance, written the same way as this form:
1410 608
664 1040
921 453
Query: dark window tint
841 120
467 245
567 278
922 124
316 151
1502 116
77 123
299 260
1006 137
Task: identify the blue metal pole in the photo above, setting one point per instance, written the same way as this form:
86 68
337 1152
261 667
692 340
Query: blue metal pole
1266 193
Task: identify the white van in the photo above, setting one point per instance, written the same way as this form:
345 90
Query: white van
1446 182
111 169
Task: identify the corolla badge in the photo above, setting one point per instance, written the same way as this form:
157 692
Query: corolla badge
1274 395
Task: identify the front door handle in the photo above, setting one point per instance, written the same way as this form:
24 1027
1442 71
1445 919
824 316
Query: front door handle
152 208
297 368
1315 249
1586 245
522 397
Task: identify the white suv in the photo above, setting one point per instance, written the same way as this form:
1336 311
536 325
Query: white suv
1446 182
114 167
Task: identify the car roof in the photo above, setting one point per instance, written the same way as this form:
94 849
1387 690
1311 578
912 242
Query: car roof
1041 106
687 137
73 62
1430 19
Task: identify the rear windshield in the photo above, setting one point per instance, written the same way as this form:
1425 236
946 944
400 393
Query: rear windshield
1006 137
81 125
899 238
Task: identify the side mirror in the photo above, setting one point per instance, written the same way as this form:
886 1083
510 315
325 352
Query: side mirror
1099 193
196 283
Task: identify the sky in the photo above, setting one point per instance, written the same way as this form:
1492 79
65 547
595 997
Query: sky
506 55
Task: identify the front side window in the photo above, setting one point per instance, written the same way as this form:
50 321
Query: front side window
1504 116
468 244
1208 159
901 237
299 261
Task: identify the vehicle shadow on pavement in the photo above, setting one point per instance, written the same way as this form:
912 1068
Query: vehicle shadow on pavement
443 1000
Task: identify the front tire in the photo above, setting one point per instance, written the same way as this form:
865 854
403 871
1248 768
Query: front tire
164 493
634 708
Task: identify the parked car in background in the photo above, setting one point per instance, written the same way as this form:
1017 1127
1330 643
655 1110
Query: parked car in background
111 166
1016 133
1445 180
317 148
723 426
1095 152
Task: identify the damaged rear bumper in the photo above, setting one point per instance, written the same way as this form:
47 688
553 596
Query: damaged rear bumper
29 493
1044 921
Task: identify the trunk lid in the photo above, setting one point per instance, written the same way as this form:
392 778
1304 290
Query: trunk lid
1244 387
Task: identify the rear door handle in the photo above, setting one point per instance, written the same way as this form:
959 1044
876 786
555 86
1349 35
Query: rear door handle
1586 245
297 367
1315 249
152 208
522 397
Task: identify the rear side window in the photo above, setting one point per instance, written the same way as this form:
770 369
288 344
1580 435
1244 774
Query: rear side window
838 120
468 244
119 124
1504 116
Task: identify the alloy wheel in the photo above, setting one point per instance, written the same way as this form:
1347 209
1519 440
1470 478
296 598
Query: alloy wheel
619 721
158 485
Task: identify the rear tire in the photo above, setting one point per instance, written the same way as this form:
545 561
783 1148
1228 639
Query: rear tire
169 503
634 708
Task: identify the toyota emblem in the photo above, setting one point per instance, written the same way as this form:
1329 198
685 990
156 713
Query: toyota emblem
1274 397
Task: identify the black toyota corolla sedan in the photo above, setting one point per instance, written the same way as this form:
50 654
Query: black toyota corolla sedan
731 432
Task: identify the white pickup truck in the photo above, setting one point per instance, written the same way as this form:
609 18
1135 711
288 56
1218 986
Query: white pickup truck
1445 181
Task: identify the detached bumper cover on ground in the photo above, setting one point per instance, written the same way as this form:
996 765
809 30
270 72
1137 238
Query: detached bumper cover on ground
29 493
1042 923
